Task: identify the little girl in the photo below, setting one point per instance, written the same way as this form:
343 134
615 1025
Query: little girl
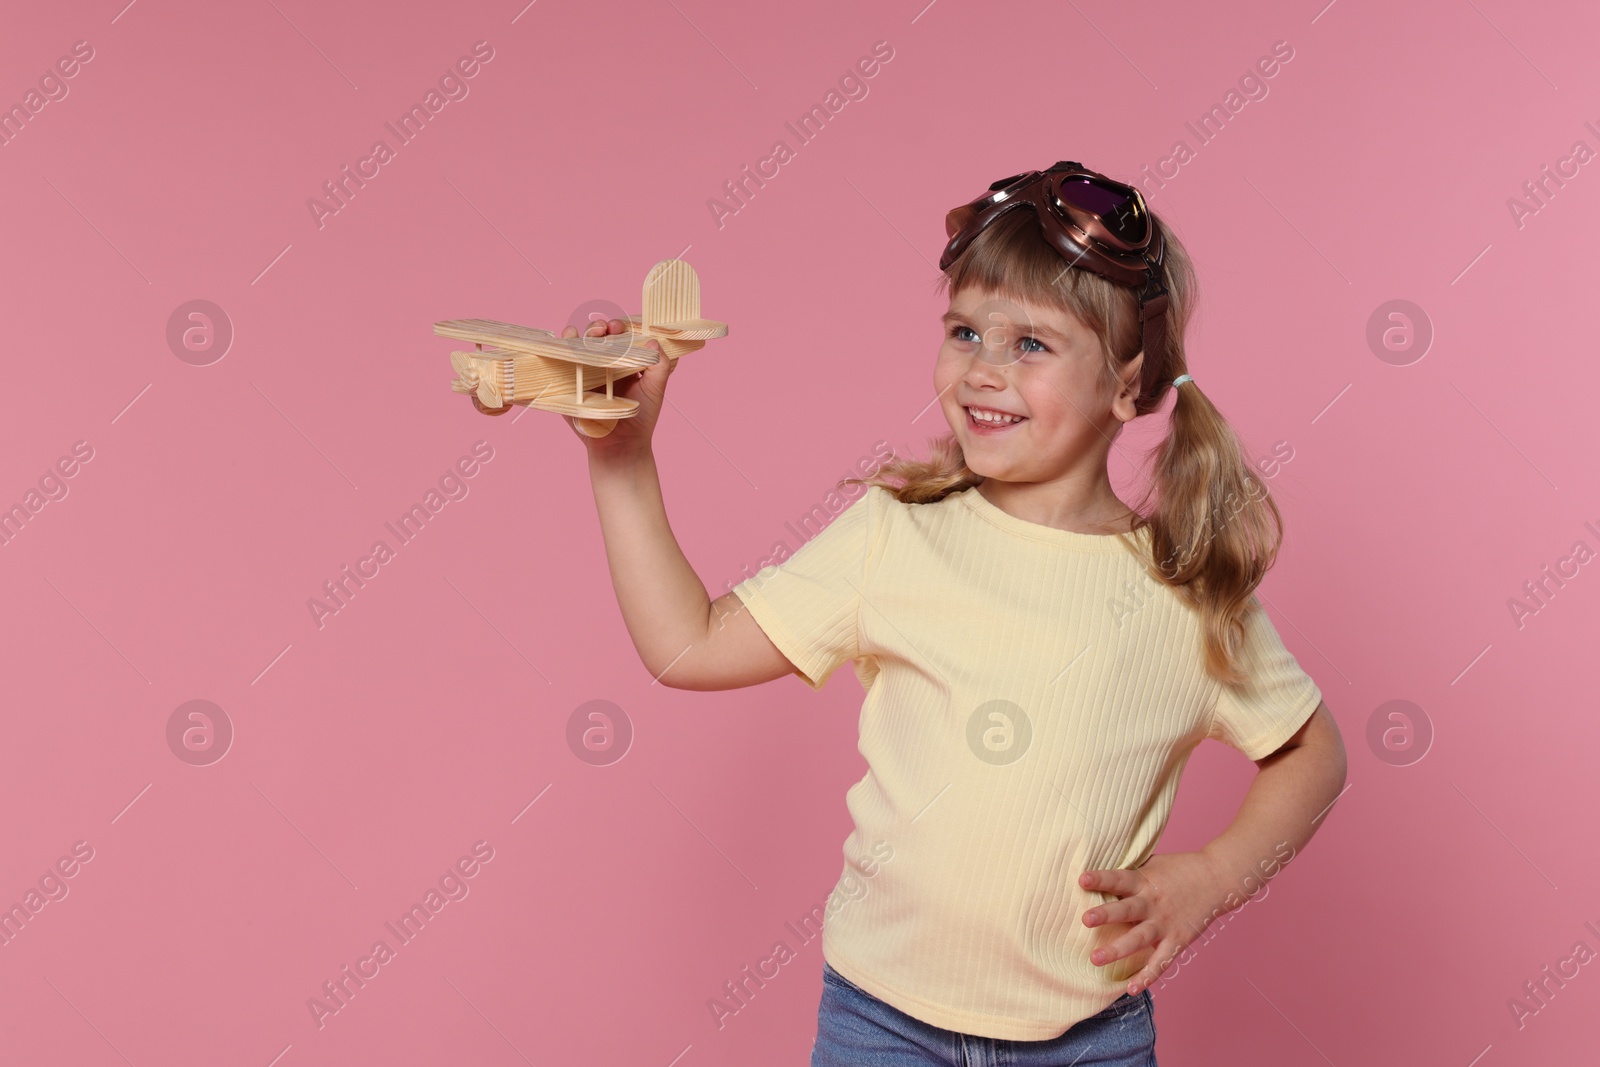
1039 658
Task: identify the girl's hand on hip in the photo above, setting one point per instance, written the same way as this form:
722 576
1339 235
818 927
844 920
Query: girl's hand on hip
1172 897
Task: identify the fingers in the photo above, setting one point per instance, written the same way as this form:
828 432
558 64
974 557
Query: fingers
654 348
597 328
1119 882
1160 960
1127 910
1144 934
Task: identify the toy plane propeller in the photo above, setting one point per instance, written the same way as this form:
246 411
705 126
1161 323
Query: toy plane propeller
512 364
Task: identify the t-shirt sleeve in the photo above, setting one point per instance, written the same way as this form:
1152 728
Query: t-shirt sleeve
1258 717
809 605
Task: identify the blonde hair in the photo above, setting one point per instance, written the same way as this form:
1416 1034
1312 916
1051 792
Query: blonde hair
1210 519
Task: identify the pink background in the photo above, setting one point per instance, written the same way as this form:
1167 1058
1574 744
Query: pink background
372 752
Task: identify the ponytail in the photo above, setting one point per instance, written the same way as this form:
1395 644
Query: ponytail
1214 528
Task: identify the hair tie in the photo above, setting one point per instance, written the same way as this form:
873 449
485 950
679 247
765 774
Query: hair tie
1180 379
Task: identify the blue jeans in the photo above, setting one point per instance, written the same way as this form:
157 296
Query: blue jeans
856 1029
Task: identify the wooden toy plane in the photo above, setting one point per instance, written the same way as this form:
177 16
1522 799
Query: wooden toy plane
535 368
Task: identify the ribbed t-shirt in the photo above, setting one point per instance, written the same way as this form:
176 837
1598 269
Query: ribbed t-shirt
1032 697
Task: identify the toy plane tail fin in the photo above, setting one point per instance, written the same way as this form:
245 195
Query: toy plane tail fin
671 293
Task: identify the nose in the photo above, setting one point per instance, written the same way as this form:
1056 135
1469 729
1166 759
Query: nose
986 368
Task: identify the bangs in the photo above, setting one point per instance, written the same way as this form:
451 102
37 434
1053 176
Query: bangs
1012 259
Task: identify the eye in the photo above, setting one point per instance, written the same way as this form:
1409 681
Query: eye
1042 346
956 330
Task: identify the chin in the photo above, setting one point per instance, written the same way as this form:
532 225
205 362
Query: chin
981 465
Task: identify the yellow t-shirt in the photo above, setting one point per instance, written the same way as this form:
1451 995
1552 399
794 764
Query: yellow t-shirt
1032 696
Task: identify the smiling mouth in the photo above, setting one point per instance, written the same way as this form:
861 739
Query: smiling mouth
984 420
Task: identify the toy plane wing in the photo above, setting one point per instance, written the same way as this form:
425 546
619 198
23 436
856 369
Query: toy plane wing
618 351
686 330
594 406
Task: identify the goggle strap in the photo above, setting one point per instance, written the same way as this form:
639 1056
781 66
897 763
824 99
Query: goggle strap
1154 307
1153 340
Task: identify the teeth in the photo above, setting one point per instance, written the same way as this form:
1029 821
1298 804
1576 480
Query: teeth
993 416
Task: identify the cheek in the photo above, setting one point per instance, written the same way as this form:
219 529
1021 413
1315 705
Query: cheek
1048 407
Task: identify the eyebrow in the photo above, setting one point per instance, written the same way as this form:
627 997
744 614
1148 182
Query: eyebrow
1040 329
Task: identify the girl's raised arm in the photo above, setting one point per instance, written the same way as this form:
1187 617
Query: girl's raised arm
683 640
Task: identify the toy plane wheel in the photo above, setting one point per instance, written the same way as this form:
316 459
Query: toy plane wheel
486 409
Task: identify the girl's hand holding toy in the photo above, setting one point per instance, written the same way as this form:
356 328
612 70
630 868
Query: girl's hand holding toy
631 437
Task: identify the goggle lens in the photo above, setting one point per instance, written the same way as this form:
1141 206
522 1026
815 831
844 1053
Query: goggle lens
1118 212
